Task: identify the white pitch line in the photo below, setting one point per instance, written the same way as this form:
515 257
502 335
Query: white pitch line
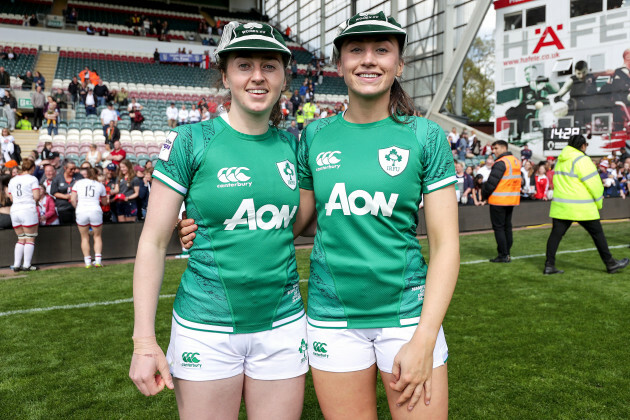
80 305
129 300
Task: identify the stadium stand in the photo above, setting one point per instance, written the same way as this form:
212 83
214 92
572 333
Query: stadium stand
13 12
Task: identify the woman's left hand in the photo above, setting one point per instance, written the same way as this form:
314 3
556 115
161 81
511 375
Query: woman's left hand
412 370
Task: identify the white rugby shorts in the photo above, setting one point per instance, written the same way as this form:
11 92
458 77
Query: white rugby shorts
27 217
280 353
89 217
350 350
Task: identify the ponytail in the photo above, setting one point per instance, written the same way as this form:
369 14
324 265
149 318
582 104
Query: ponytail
27 165
400 104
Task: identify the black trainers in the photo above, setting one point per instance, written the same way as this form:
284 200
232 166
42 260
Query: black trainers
501 260
616 265
550 269
15 268
30 268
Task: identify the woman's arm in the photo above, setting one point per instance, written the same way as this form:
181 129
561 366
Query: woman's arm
413 365
74 199
164 204
305 222
136 192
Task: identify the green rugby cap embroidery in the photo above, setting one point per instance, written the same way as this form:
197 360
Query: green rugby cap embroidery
251 36
366 24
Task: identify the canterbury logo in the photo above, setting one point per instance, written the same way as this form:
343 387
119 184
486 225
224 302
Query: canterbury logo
327 158
233 174
319 347
190 357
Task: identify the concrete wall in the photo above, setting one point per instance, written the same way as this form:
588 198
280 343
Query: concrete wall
62 243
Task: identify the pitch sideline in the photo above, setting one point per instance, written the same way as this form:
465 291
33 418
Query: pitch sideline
130 300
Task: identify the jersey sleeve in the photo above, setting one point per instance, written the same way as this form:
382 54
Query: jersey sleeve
103 192
34 184
176 159
438 163
305 177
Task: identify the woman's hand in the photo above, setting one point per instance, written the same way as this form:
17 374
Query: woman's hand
412 370
149 368
186 230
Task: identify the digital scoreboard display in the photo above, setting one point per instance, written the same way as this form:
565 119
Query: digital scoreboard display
556 139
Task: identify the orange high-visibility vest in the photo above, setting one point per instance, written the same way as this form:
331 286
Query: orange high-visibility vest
508 191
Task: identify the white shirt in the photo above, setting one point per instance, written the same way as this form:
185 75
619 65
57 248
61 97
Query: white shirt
7 149
172 113
453 137
183 115
89 99
21 188
89 193
206 116
485 172
194 115
133 106
108 115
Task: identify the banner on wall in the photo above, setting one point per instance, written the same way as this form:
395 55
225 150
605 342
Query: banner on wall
180 58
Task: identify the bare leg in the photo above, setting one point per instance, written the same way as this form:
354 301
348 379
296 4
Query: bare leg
209 400
347 395
85 240
98 239
438 409
279 400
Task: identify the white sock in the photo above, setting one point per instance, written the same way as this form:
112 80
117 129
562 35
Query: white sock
19 253
88 260
97 258
29 248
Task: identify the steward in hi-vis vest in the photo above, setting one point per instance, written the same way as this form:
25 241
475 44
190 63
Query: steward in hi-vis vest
577 196
503 192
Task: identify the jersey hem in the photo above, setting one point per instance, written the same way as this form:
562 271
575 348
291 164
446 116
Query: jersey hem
316 323
196 326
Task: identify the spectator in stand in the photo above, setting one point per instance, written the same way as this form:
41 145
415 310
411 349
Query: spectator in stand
528 183
294 130
464 185
23 123
299 118
126 191
202 102
39 80
112 133
108 116
122 98
85 75
134 105
24 193
38 100
101 91
205 114
453 137
5 78
90 30
476 192
549 165
526 154
212 105
106 154
194 116
462 146
143 193
83 91
136 118
475 146
73 88
61 188
7 148
60 98
46 206
118 154
294 69
47 151
27 80
87 197
541 182
172 115
73 16
296 100
9 104
486 168
103 32
309 110
182 116
33 21
486 150
49 176
52 119
90 103
304 90
93 156
156 53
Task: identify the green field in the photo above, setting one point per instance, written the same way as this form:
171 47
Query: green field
522 345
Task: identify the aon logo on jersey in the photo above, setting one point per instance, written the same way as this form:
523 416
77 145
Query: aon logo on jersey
256 218
339 200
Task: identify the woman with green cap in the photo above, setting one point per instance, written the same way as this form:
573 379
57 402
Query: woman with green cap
373 302
238 322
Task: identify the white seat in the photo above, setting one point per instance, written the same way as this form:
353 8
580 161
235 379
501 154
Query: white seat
59 138
73 131
73 137
135 133
86 131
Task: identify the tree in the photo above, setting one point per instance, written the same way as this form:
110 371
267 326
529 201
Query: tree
478 87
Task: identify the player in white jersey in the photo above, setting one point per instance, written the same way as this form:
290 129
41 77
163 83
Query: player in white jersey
24 192
87 196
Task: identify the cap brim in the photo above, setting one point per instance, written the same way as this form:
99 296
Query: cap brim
255 44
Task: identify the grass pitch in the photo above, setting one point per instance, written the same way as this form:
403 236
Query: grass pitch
522 345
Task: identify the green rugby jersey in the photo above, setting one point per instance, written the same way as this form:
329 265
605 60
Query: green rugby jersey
242 192
368 179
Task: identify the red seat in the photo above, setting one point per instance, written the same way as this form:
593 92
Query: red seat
63 53
32 51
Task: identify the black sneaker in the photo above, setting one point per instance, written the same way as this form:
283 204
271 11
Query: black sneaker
501 260
616 265
15 268
30 268
550 269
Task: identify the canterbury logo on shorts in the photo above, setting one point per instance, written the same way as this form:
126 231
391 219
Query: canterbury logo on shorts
319 349
190 359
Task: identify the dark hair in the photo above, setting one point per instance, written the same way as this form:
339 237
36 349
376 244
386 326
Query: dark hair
27 165
400 103
500 143
577 141
91 173
478 180
276 113
581 65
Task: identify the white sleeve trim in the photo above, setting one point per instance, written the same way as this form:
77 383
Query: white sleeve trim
441 183
167 180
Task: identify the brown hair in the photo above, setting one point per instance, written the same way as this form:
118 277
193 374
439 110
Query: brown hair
400 103
276 113
27 165
130 172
